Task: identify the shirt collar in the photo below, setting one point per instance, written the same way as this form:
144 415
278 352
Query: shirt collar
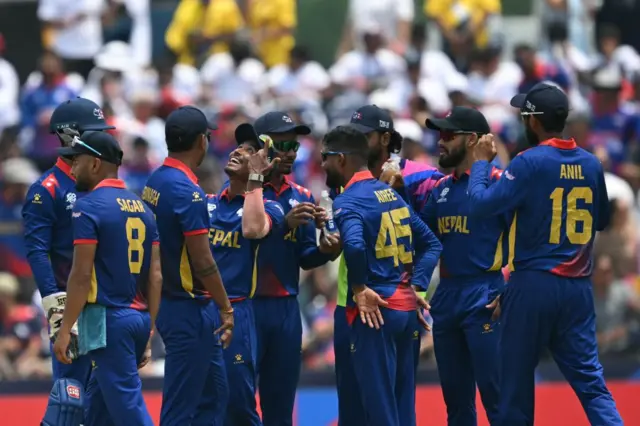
225 194
111 183
560 143
359 176
456 178
177 164
285 185
65 168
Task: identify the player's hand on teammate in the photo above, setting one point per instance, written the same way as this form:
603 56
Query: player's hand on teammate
226 329
369 302
330 244
495 306
260 164
423 305
484 148
392 175
301 214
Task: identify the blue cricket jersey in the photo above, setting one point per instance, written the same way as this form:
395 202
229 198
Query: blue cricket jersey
471 245
180 207
287 250
557 194
47 227
385 245
123 228
236 255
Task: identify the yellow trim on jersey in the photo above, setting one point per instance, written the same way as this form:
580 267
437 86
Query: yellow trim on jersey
343 286
93 291
512 242
498 258
254 275
186 277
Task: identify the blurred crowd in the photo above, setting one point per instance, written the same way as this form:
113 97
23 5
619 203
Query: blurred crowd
238 58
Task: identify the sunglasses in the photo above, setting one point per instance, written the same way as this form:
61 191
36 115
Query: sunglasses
76 141
327 154
286 146
449 135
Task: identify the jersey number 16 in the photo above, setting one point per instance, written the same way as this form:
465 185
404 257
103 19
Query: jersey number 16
391 229
136 234
574 215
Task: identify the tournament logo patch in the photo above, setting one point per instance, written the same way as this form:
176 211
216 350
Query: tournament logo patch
98 113
73 391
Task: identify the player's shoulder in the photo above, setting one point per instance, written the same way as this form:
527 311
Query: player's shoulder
299 191
47 184
414 172
273 206
495 174
443 182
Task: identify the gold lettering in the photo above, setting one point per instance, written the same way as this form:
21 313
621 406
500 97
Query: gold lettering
150 195
291 235
221 238
385 195
455 224
130 206
571 171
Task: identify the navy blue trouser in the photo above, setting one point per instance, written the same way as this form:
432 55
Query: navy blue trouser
350 409
114 393
466 346
195 390
541 310
383 363
240 361
279 335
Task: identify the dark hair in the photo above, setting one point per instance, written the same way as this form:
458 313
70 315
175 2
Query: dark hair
554 123
349 140
177 141
557 31
419 33
522 48
609 31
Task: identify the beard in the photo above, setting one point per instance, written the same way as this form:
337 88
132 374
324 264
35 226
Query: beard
334 179
82 185
453 158
375 157
532 138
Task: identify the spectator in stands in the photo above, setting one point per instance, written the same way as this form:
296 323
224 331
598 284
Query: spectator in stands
37 105
394 17
617 309
202 28
272 24
77 31
21 326
9 92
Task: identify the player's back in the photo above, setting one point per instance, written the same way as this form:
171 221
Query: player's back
171 193
124 230
386 222
565 204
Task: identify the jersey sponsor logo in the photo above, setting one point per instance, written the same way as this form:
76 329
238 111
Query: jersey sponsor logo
73 392
508 175
293 202
443 196
71 200
239 212
37 199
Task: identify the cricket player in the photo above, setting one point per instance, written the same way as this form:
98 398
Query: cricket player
289 248
115 262
47 225
240 221
414 182
473 252
195 384
557 194
379 233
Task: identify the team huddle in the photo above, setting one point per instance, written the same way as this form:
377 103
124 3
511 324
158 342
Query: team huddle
217 275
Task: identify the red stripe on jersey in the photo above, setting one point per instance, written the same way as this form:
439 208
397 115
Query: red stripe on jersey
85 241
155 243
403 299
195 232
50 183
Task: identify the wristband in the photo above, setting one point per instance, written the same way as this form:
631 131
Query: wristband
256 177
228 311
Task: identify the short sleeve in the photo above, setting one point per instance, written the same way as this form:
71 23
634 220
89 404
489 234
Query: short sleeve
85 223
190 206
275 212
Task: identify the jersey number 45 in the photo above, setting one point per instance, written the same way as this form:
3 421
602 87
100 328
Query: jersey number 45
391 230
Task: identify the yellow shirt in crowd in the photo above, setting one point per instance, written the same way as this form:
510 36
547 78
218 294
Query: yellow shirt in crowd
216 18
451 12
273 16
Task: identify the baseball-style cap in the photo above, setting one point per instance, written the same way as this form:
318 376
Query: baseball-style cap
79 114
186 122
372 118
245 132
279 122
543 99
101 145
461 119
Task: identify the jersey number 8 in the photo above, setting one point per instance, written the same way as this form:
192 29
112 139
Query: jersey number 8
392 228
574 215
136 234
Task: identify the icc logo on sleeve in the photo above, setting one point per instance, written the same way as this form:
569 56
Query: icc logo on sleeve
71 200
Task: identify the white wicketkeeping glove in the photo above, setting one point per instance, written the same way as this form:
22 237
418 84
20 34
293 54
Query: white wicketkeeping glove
53 306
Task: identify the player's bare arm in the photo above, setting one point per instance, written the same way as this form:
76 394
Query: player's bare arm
155 285
78 288
255 222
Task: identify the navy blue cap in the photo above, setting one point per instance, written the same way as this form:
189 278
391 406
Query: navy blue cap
461 119
79 114
279 122
245 132
372 118
98 144
543 99
186 122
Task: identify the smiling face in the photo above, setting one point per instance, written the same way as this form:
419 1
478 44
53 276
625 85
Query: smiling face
238 165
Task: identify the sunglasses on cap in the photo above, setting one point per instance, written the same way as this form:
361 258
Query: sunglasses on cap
77 142
327 154
449 135
286 146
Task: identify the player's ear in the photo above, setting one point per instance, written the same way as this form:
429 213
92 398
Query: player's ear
385 139
472 140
